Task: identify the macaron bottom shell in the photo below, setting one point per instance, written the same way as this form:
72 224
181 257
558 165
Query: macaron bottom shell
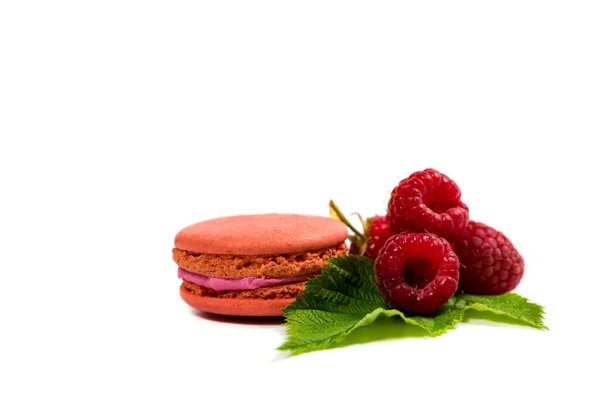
236 307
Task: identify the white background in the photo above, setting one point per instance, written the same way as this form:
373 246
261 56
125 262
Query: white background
121 122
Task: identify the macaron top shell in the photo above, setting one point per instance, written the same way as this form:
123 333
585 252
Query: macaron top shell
261 234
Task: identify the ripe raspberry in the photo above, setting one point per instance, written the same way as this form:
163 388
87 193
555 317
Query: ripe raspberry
492 264
427 201
416 272
378 233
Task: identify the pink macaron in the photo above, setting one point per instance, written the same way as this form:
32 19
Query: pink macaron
253 265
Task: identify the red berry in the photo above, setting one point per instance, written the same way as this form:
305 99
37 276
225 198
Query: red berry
378 233
492 264
427 201
416 272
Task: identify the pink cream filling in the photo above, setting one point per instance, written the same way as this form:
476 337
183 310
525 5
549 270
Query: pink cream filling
239 284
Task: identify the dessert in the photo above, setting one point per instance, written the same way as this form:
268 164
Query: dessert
253 265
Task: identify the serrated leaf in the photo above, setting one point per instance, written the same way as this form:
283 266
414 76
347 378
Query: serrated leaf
509 304
344 297
332 304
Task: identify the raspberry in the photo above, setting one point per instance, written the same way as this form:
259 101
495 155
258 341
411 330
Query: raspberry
492 264
378 233
427 201
416 272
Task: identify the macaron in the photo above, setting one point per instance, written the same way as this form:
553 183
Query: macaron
253 265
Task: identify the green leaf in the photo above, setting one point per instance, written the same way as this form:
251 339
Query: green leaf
344 297
509 304
440 323
333 305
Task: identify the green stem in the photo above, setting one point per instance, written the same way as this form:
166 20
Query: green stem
345 220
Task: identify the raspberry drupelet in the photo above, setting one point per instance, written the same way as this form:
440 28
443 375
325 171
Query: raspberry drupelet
492 264
416 273
427 201
378 233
